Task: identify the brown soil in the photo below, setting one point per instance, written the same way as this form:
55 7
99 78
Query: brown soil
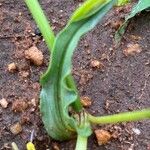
122 84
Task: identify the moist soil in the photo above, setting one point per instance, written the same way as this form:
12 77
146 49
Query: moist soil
121 84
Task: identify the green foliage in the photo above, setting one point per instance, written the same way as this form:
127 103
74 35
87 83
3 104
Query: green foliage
59 92
87 9
58 88
141 5
122 2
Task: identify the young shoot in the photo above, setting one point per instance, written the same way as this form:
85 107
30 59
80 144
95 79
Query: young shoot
59 91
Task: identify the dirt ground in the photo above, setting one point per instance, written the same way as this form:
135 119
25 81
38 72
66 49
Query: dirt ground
122 84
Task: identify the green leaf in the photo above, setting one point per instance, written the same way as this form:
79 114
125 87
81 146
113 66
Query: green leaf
57 94
141 5
122 2
87 9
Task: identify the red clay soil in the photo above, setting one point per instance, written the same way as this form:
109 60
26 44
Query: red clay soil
121 83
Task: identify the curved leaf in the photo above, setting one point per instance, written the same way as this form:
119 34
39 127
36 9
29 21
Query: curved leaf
87 9
57 94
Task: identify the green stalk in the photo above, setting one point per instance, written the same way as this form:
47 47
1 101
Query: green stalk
122 117
42 22
81 143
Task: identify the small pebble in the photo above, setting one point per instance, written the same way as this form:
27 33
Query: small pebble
86 101
116 24
132 49
24 74
96 64
136 131
12 67
19 106
55 146
34 102
20 13
104 57
34 55
102 136
3 103
16 128
135 37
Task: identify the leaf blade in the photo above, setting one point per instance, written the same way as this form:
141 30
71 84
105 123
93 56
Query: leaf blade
54 80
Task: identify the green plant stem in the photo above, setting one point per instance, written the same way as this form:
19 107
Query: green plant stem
122 117
42 22
81 143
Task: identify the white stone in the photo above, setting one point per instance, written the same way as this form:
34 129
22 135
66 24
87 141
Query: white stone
136 131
